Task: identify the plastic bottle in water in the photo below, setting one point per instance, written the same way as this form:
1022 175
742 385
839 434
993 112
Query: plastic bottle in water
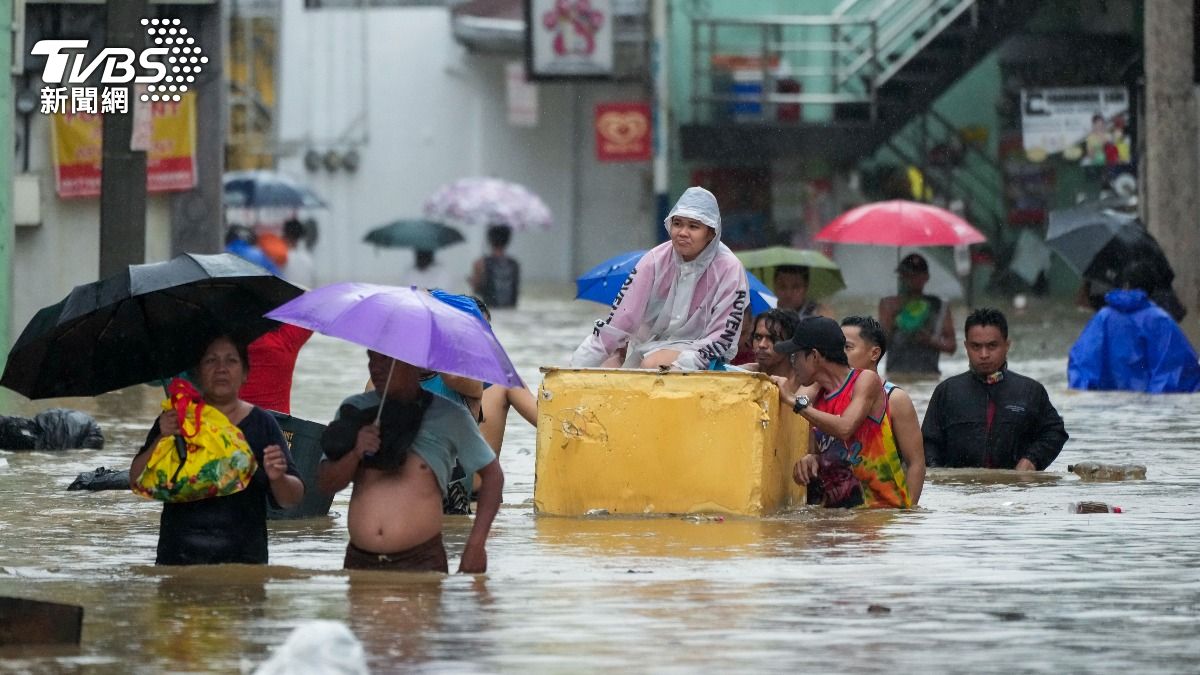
1092 507
1095 471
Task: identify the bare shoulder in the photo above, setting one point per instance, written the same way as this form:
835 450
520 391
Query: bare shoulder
868 378
901 401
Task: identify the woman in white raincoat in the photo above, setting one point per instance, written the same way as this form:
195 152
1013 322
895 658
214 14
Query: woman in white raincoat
683 303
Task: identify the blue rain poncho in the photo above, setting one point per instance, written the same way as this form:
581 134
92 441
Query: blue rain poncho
1132 344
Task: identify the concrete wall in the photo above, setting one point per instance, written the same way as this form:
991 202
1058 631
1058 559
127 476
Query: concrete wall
424 111
52 258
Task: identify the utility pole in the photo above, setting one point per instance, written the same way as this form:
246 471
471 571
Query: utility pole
1172 164
122 170
660 28
6 162
197 216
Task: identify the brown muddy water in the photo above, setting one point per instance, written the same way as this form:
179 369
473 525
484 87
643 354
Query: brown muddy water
992 574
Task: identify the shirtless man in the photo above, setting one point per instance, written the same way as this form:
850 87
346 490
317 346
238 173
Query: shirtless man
395 517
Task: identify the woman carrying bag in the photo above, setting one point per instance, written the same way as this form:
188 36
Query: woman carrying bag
215 512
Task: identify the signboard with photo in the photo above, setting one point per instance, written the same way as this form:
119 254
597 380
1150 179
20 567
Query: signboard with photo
569 39
1084 124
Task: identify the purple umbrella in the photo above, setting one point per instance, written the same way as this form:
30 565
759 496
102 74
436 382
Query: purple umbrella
407 324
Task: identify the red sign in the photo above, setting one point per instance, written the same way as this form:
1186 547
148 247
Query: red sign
623 132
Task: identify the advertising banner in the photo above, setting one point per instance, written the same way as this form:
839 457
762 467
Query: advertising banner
170 160
1085 124
623 132
569 38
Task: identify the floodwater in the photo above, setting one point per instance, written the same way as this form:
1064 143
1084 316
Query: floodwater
992 574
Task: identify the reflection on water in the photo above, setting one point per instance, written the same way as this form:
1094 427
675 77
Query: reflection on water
991 575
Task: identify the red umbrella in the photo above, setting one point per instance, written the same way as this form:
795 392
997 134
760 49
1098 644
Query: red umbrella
900 223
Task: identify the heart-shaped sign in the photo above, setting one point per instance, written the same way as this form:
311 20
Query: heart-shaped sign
622 128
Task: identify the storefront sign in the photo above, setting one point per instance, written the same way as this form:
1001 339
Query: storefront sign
170 161
623 132
1085 124
569 38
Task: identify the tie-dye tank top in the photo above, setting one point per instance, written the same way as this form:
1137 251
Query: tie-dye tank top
870 451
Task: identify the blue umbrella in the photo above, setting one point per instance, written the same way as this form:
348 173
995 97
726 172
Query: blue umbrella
267 189
602 282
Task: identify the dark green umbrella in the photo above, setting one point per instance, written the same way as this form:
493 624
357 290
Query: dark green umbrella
824 275
422 235
151 322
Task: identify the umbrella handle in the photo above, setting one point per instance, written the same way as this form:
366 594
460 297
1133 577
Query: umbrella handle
383 396
180 443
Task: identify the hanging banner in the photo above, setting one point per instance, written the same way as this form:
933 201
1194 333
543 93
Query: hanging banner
521 96
1085 124
170 161
623 132
569 38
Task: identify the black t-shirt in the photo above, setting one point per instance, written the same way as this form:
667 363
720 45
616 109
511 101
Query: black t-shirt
229 529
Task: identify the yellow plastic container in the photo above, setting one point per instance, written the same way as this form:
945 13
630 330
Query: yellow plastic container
643 442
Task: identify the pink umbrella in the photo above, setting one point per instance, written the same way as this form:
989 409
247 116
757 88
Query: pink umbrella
480 202
900 223
407 324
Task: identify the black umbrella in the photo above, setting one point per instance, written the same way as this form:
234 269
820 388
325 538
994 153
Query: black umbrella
423 235
1079 234
149 323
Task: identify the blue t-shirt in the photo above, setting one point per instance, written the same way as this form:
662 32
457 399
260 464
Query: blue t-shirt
447 433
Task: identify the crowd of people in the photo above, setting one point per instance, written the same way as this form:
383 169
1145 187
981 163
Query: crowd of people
684 305
427 444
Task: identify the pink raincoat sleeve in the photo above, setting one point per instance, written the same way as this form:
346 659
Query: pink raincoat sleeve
731 298
628 313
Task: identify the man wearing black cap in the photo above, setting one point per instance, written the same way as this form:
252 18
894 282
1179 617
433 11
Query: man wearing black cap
851 461
919 327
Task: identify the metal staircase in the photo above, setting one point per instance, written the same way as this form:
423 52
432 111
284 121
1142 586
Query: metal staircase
868 69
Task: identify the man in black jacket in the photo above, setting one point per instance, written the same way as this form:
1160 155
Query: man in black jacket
991 417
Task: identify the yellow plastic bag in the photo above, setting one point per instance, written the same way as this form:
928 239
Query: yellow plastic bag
218 461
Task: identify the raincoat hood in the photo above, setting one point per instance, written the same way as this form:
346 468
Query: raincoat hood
693 307
1127 302
1133 345
698 204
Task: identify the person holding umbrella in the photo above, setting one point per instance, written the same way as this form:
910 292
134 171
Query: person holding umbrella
683 304
233 528
428 441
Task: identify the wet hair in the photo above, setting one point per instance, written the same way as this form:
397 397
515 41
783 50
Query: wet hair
1138 274
799 270
781 322
239 344
987 316
483 308
499 235
870 329
293 231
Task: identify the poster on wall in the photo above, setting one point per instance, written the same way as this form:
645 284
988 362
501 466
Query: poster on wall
569 39
1085 124
170 161
622 132
521 96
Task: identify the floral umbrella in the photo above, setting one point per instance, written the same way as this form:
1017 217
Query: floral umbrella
480 202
